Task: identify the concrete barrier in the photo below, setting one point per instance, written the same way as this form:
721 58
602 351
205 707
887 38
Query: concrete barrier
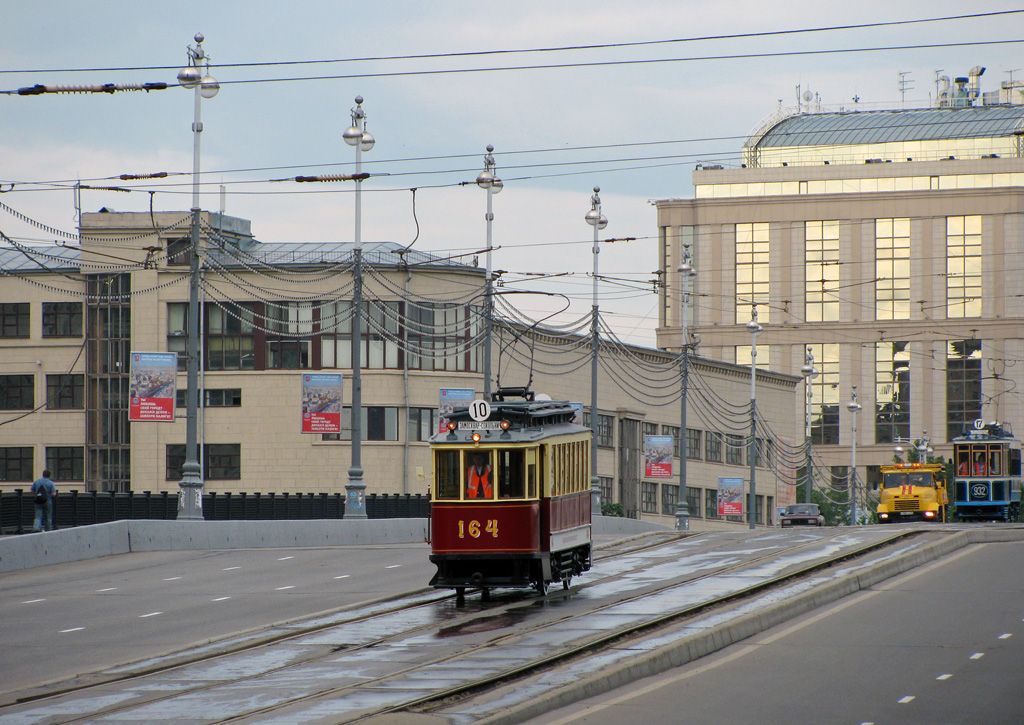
122 537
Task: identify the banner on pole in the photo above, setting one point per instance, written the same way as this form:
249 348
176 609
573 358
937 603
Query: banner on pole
730 496
658 451
152 386
321 403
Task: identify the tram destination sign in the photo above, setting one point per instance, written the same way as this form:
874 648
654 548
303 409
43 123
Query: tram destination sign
479 425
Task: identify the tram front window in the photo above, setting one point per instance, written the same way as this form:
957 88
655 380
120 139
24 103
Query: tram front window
446 474
510 474
479 475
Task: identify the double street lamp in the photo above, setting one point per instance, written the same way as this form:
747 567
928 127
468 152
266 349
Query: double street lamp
686 271
355 490
810 373
854 407
598 221
190 489
488 181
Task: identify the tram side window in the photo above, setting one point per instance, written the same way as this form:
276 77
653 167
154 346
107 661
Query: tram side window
446 474
963 462
479 475
995 461
510 474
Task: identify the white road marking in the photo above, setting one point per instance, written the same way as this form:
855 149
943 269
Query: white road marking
281 589
33 601
221 599
108 589
977 655
906 699
286 558
171 579
232 567
151 614
1005 636
343 576
943 677
393 566
73 629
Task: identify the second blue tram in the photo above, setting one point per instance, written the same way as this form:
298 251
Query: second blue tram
987 473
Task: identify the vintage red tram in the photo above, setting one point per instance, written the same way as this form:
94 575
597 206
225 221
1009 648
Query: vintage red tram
511 496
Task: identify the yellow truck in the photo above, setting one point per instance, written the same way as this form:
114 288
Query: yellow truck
912 491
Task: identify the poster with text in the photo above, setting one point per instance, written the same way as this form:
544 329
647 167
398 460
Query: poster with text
152 383
658 452
449 399
730 496
577 414
321 403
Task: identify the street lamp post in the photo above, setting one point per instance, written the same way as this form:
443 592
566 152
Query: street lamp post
355 490
810 373
754 329
686 271
190 487
598 221
854 407
487 180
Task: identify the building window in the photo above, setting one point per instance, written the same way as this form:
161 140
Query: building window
693 443
963 266
605 483
752 271
179 252
289 325
215 398
17 392
65 392
892 269
16 464
711 503
605 426
14 319
230 336
62 319
763 356
648 429
423 423
66 463
963 385
892 391
713 447
221 461
649 497
734 447
177 330
438 336
669 498
825 401
673 430
379 424
693 501
821 271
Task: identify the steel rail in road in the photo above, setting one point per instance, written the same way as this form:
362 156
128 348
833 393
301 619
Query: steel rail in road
402 612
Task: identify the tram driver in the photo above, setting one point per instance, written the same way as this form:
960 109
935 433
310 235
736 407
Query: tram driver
478 477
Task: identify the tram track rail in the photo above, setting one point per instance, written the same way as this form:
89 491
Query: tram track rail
428 598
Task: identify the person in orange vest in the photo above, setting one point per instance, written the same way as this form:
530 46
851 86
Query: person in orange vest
478 479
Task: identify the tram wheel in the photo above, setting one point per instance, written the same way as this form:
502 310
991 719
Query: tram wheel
460 596
566 582
541 586
485 595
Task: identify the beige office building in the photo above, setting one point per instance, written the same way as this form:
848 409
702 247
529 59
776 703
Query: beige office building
71 315
883 251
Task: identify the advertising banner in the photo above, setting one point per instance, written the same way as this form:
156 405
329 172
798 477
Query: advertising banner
577 417
449 398
658 452
321 403
152 386
730 496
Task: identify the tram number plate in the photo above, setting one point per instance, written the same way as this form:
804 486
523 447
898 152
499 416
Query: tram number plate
473 528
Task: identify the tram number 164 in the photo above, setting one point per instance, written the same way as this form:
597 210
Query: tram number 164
491 527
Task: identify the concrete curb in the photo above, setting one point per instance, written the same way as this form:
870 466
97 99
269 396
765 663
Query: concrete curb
706 642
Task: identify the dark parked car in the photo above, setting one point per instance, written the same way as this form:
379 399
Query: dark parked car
802 514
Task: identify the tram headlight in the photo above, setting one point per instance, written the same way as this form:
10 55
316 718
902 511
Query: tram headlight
476 437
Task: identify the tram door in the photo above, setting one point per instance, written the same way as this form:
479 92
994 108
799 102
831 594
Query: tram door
629 467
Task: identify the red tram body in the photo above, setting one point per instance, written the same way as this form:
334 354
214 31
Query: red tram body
511 496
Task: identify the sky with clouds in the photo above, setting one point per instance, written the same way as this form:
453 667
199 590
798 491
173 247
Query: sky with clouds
616 110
